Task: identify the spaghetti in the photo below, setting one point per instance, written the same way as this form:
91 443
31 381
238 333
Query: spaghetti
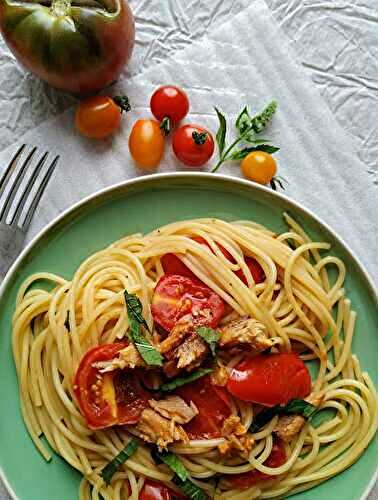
299 304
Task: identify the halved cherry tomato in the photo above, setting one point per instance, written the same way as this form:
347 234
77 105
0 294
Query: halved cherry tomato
213 404
154 491
270 379
259 167
256 270
193 145
99 116
169 103
245 480
146 143
177 296
110 398
173 265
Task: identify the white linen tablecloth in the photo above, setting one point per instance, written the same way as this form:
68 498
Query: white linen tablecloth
229 53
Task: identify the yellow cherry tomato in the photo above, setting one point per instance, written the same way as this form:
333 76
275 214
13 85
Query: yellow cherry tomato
259 167
146 143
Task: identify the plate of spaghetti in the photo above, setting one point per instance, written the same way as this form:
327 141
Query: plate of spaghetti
188 336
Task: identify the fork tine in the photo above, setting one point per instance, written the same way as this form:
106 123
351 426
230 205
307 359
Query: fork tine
8 171
25 194
13 191
39 194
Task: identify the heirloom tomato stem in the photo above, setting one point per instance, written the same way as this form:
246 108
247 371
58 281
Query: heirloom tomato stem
60 7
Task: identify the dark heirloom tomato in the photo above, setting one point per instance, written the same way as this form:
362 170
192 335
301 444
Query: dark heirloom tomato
270 379
245 480
213 404
177 296
114 398
71 46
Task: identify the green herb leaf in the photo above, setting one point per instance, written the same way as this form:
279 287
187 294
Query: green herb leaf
210 336
242 153
190 489
295 406
172 461
135 308
221 134
261 120
179 381
243 121
109 470
134 311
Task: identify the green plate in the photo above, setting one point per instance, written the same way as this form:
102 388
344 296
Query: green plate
139 206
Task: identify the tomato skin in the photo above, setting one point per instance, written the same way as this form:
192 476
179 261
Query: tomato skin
245 480
101 410
97 117
254 267
213 404
178 296
170 102
146 143
154 491
270 379
173 265
259 167
187 151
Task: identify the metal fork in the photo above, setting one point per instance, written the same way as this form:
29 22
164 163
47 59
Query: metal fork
13 221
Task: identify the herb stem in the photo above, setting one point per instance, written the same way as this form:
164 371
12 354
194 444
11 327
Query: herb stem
223 158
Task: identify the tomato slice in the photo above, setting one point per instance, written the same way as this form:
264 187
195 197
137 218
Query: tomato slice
110 398
245 480
177 296
270 379
213 404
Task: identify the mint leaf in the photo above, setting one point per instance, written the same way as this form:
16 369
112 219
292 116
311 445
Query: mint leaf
242 153
243 121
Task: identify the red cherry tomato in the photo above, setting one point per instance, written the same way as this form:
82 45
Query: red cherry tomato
177 296
270 379
254 267
193 145
213 404
154 491
170 102
110 398
245 480
173 265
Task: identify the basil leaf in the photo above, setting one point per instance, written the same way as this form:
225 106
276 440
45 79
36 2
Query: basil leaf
221 133
242 153
179 381
134 308
243 121
109 470
190 489
293 407
149 353
173 462
301 407
210 336
261 120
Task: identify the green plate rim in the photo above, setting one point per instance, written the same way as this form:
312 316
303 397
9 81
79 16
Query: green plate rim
296 206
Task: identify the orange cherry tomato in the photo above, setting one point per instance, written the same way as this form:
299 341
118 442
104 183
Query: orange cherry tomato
99 116
270 379
146 143
259 167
